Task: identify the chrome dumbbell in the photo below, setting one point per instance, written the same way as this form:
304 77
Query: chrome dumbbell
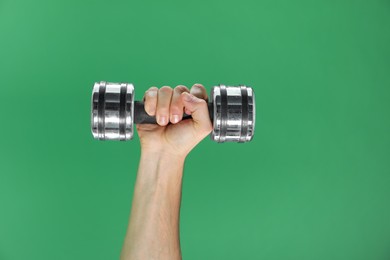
114 112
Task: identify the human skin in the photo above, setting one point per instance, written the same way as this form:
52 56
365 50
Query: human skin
153 231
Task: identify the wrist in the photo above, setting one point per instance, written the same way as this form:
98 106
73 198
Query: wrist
162 155
161 167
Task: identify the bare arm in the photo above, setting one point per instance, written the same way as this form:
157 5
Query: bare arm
153 231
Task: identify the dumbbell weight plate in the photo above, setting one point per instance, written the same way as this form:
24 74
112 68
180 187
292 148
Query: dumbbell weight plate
232 111
234 114
112 111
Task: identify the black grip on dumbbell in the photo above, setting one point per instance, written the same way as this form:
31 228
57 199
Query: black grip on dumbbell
141 117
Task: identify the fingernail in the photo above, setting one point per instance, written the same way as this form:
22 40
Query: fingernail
175 118
162 120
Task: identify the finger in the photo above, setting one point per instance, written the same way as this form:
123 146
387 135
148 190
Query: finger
176 109
163 103
199 91
198 109
150 101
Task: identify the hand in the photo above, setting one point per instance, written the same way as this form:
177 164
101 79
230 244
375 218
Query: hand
168 105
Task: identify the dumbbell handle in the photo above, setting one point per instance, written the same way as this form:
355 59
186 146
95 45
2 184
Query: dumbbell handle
141 117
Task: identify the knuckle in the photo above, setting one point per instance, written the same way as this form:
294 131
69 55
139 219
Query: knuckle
181 88
199 86
151 93
199 91
166 89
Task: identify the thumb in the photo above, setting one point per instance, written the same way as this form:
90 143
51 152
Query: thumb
197 108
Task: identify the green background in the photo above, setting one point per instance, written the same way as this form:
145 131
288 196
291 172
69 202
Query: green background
313 184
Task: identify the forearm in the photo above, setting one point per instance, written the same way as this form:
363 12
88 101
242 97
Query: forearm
153 231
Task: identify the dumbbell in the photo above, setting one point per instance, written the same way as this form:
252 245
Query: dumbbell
114 112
